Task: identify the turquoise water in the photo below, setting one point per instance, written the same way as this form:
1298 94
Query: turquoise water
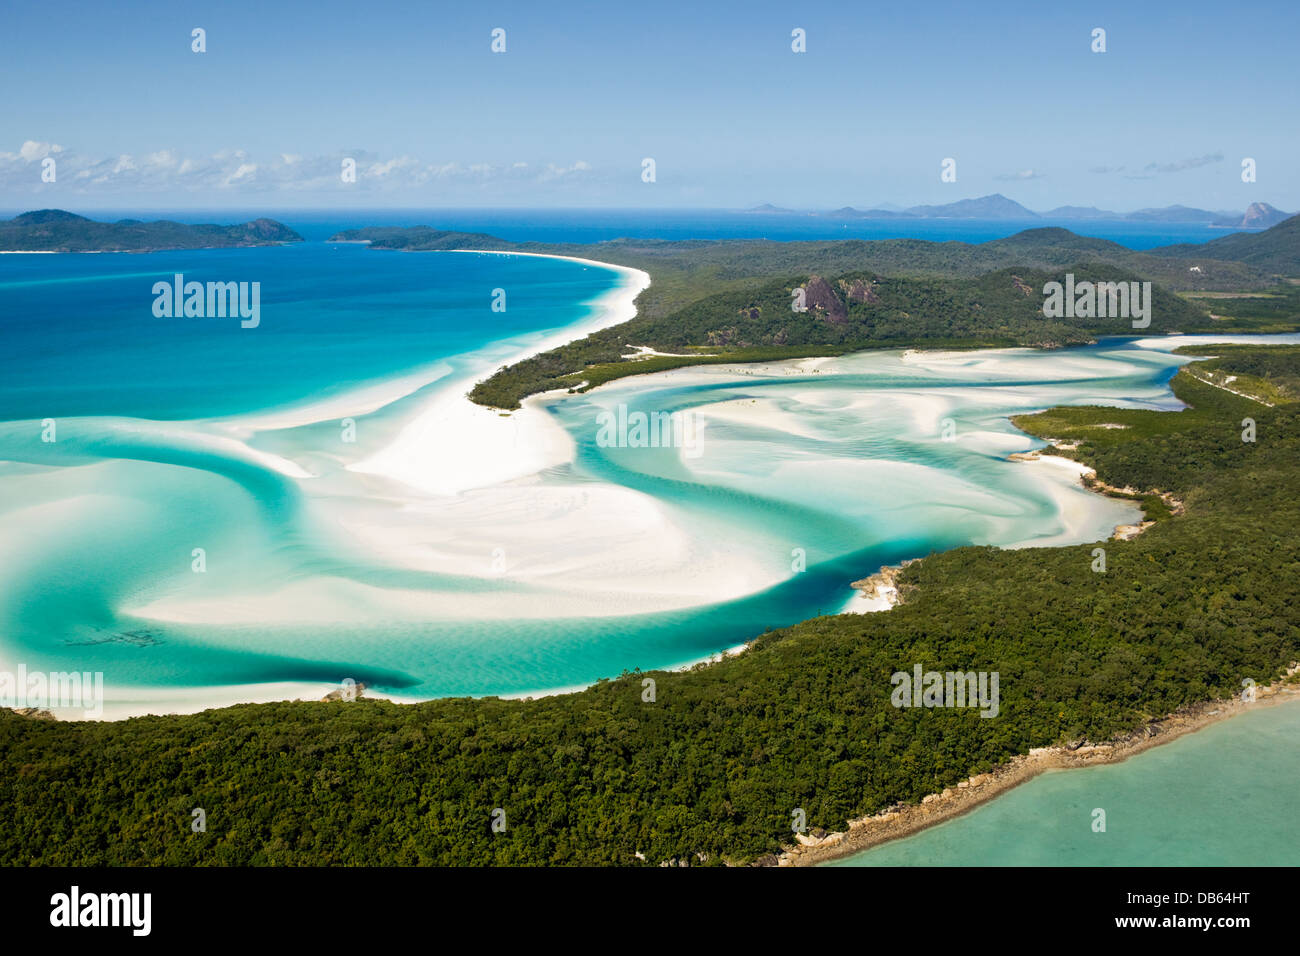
1223 796
172 436
81 337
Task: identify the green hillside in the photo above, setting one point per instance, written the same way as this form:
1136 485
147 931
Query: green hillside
1275 250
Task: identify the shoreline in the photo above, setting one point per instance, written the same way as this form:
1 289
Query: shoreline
610 308
1089 481
904 820
454 444
878 592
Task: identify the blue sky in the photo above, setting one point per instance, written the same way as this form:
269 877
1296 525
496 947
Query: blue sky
711 91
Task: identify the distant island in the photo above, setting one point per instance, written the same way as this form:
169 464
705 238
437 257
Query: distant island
1259 215
54 230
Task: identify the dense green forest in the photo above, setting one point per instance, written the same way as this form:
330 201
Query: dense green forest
713 768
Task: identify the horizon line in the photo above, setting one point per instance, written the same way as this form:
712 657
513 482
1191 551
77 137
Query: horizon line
768 208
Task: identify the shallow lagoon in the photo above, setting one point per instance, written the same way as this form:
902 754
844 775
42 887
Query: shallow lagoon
318 567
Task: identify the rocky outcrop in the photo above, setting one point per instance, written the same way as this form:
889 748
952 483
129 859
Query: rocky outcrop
884 583
818 837
1127 532
353 693
1260 215
819 297
35 713
860 291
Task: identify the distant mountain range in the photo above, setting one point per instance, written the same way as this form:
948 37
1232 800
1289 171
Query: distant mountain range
54 230
1259 215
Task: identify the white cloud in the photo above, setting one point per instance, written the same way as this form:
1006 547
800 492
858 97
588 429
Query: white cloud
244 169
235 170
1020 176
32 151
379 170
1178 166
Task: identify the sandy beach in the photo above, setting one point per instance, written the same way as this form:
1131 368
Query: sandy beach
455 445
